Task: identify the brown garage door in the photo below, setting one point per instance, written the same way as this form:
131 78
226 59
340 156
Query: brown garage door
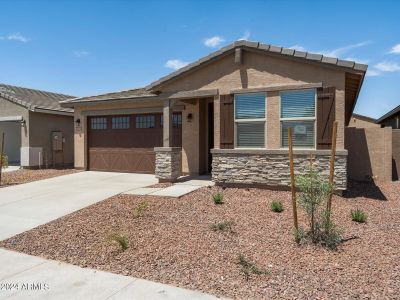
125 143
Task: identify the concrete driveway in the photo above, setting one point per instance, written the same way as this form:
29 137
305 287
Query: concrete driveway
25 206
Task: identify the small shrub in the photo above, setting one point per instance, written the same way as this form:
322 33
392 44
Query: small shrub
358 216
120 239
277 206
249 267
223 226
299 235
140 208
218 198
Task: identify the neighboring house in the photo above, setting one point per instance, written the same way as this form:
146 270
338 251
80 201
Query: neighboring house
38 131
360 121
225 114
391 119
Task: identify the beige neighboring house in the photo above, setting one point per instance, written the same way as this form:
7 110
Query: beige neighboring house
360 121
226 114
38 131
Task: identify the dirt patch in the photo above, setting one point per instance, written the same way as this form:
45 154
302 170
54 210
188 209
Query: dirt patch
173 243
25 176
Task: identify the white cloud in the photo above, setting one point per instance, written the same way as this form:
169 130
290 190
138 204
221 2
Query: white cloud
338 52
298 48
81 53
175 64
387 66
395 49
245 36
373 73
214 41
15 37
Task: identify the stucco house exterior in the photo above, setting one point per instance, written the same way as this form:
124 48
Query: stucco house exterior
360 121
226 114
38 131
391 118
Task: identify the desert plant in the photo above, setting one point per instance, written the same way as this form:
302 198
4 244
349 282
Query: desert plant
223 226
140 208
314 193
358 216
249 267
277 206
120 239
218 198
4 162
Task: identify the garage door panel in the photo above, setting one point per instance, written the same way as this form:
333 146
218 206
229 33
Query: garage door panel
129 149
122 160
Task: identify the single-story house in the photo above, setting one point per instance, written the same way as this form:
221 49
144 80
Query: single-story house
226 114
38 131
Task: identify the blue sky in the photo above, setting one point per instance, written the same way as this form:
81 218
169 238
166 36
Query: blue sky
90 47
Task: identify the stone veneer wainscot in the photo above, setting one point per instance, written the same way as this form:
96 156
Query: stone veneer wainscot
168 163
271 167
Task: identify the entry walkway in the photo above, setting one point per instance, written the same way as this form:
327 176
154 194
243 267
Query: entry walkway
185 185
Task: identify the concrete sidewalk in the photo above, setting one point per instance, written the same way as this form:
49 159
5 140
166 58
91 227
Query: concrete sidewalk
28 277
25 206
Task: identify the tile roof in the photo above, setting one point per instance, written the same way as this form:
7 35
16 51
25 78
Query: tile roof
127 94
286 52
389 114
34 99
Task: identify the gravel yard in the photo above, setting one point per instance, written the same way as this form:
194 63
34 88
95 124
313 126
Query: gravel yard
173 243
25 175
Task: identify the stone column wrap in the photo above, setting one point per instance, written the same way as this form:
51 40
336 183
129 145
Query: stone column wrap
271 167
168 163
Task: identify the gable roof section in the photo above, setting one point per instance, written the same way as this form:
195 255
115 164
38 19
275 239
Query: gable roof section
389 114
364 118
122 95
35 100
349 66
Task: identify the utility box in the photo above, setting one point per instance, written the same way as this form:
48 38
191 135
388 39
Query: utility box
57 140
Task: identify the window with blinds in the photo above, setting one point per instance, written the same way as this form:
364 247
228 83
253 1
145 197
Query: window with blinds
298 112
250 120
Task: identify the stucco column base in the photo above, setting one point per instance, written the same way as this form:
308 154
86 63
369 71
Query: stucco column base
168 163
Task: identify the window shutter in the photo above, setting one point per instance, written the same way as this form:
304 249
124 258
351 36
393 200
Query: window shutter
226 121
325 116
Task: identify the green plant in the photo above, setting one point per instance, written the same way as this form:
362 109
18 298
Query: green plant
249 267
277 206
223 226
358 216
140 208
218 198
4 162
313 197
120 239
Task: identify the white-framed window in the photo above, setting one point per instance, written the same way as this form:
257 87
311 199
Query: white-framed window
250 120
176 120
298 110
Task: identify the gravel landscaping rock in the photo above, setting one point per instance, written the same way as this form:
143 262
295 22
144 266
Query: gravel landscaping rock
25 175
173 243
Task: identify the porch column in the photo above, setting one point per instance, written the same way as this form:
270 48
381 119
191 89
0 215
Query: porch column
217 122
168 159
167 120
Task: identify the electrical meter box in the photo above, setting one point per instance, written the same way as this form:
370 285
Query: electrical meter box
57 140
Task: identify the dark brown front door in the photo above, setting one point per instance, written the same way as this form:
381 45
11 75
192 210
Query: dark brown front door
125 143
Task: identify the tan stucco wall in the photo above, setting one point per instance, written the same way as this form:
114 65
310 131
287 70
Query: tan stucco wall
41 127
9 109
370 153
260 70
360 123
273 121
